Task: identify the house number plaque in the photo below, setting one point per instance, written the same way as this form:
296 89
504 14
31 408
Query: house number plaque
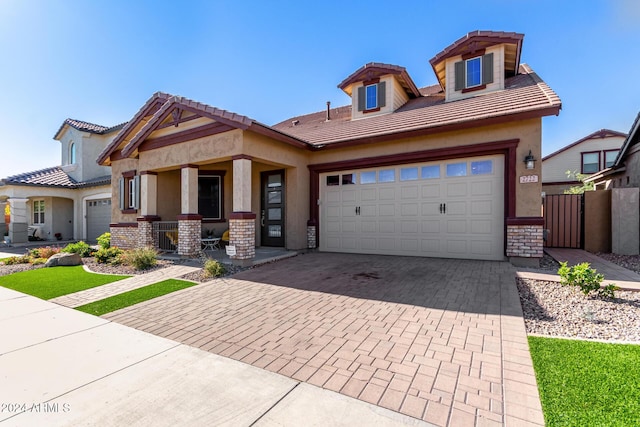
526 179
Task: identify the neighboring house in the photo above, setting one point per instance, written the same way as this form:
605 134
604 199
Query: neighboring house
586 156
72 200
402 170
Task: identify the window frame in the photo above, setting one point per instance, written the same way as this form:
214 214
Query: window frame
582 154
479 60
604 160
40 211
373 86
72 153
129 197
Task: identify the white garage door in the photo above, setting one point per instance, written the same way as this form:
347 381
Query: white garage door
448 209
98 217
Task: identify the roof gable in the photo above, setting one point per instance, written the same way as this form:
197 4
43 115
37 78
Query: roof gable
600 134
85 127
375 70
477 41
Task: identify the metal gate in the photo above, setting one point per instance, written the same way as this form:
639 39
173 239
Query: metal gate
564 220
165 235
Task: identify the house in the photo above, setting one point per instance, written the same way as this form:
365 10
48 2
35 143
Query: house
622 181
586 156
72 200
402 170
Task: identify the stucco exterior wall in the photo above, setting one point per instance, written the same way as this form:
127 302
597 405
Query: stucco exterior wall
88 148
393 96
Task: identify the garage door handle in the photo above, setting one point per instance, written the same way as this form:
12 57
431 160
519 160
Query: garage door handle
440 207
444 208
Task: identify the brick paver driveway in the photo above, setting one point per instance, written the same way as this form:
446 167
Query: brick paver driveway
438 339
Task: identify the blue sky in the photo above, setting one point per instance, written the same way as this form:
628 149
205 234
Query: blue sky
99 60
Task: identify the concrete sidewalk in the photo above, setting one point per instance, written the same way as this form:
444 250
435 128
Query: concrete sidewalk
624 278
61 367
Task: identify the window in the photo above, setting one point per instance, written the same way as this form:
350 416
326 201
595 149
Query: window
129 199
371 97
368 177
457 169
610 157
210 196
348 179
482 167
473 73
429 172
387 175
72 153
333 180
590 162
38 212
408 174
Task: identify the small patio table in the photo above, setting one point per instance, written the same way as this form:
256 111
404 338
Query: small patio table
211 243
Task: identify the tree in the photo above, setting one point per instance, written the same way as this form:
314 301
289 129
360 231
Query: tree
579 189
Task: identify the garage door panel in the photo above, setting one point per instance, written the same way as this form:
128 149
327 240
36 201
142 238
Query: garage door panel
456 189
98 217
427 209
409 193
456 208
409 209
333 196
430 191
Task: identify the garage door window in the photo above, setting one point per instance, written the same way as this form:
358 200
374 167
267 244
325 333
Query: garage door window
430 172
388 175
457 169
408 174
368 177
333 180
483 167
348 178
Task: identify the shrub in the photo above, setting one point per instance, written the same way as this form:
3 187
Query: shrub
108 255
45 252
38 261
104 240
585 277
81 248
140 259
213 268
24 259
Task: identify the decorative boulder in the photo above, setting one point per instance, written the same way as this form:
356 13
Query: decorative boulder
63 258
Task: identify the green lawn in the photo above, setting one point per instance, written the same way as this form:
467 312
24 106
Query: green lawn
52 282
585 383
135 296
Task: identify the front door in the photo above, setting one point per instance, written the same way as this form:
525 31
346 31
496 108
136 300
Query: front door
272 212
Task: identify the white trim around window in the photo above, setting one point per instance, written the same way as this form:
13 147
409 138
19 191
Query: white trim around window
38 211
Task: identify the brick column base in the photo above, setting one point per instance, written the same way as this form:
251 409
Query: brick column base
124 235
312 241
242 235
524 242
145 232
189 232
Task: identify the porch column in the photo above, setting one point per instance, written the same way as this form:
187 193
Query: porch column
3 226
242 222
19 220
148 208
189 221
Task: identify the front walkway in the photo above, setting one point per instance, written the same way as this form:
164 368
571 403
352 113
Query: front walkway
624 278
437 339
101 292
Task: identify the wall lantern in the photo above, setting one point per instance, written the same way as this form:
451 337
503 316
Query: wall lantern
530 161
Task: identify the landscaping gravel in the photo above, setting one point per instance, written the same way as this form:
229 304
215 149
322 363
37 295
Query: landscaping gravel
563 311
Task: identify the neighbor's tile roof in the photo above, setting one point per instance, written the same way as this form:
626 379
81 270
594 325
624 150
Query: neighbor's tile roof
88 127
52 177
524 93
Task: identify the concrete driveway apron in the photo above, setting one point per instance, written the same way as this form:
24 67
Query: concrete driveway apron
441 340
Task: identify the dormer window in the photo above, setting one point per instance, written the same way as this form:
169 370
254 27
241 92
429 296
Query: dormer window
72 153
371 97
474 73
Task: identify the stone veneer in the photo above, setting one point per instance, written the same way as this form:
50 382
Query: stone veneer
525 241
189 234
145 233
312 241
242 235
124 236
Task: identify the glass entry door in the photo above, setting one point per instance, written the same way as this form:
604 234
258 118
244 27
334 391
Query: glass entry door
272 212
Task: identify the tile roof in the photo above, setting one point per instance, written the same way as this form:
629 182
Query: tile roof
88 127
524 93
52 177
